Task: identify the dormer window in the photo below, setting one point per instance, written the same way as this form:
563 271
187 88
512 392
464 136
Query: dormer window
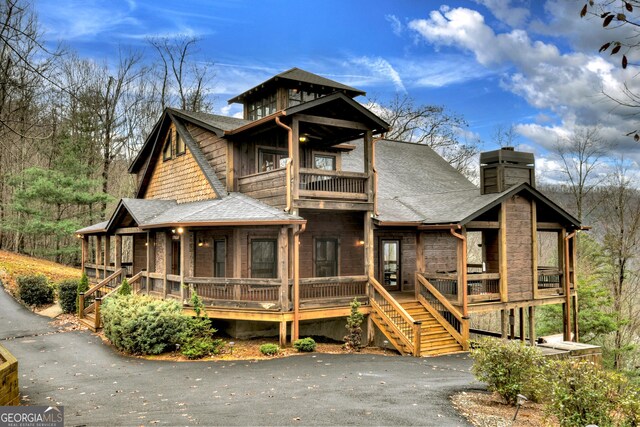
180 146
262 107
167 151
297 96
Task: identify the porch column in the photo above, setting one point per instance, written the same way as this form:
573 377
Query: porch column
85 251
295 165
99 256
107 254
419 259
185 257
534 248
148 248
369 266
283 273
118 252
295 328
532 325
521 324
237 254
504 323
165 267
502 254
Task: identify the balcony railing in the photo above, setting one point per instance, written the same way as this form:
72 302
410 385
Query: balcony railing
550 281
481 287
235 292
318 183
331 290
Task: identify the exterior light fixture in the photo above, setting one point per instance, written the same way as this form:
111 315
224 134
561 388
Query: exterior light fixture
361 242
200 243
521 401
303 138
385 343
173 230
231 344
180 230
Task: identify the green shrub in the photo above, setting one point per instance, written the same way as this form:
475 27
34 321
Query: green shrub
269 349
353 340
196 303
630 404
196 340
305 345
139 324
67 295
83 286
509 368
35 290
581 393
125 287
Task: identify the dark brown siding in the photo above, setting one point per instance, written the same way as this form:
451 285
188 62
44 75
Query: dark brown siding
408 255
519 242
139 253
268 187
441 252
491 249
347 227
203 257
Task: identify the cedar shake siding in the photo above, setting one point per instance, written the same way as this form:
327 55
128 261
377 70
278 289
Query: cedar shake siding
179 178
214 149
519 249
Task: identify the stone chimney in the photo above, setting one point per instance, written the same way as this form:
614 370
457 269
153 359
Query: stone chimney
504 168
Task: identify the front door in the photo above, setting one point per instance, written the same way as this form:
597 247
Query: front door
390 264
175 257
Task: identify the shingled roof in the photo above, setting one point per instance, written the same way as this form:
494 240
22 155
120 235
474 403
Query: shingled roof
235 208
416 185
298 75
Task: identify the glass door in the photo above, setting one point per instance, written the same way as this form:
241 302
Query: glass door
390 264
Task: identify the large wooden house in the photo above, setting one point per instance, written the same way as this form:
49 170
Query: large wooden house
279 220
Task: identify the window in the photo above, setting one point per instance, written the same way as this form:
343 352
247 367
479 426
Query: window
390 263
262 107
269 160
296 96
175 256
167 151
219 257
326 257
263 258
180 147
324 162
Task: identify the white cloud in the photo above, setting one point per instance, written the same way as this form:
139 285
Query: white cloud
396 25
567 84
380 68
506 11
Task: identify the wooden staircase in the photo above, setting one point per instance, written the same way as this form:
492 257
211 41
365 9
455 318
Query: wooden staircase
435 340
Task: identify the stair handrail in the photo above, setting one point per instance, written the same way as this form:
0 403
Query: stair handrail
412 341
462 336
98 318
136 277
104 282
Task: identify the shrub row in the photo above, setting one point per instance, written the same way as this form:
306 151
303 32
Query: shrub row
577 392
36 290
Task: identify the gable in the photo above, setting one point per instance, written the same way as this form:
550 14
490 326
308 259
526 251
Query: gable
177 176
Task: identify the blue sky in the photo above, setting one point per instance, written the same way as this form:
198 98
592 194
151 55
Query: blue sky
532 64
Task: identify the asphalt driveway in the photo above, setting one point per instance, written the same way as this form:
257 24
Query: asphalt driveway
97 386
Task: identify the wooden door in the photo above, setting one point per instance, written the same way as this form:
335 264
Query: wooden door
390 264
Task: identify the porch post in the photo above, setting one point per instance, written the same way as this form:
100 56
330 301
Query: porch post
512 323
534 248
295 328
237 254
99 256
567 287
532 325
521 324
165 267
369 266
148 247
118 252
502 254
184 261
107 254
84 244
295 165
419 259
283 269
504 323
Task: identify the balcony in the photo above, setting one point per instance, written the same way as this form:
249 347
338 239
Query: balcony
335 185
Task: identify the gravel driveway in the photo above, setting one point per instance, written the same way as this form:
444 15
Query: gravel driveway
97 386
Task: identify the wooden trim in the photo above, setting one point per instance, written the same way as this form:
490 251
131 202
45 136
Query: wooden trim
283 273
323 153
295 154
502 254
255 123
326 121
237 253
148 248
184 261
334 173
128 230
315 194
229 280
534 247
118 251
550 226
483 225
331 205
532 325
226 223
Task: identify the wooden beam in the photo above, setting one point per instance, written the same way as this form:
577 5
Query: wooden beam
512 323
295 328
237 253
532 325
521 323
534 248
327 121
283 333
231 167
184 261
148 247
295 165
502 254
504 323
333 205
129 230
165 269
576 335
283 269
118 252
107 254
483 225
420 261
99 261
551 226
83 256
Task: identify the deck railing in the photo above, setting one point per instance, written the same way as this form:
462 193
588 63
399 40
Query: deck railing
550 280
235 292
89 302
333 184
440 308
481 287
327 288
406 328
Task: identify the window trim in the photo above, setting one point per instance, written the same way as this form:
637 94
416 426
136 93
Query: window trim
167 149
273 150
214 269
337 158
273 239
315 258
184 145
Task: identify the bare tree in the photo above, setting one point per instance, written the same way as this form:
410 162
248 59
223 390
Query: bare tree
180 80
580 155
620 222
431 125
505 136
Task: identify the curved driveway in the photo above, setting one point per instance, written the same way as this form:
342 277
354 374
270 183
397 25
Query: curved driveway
97 386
